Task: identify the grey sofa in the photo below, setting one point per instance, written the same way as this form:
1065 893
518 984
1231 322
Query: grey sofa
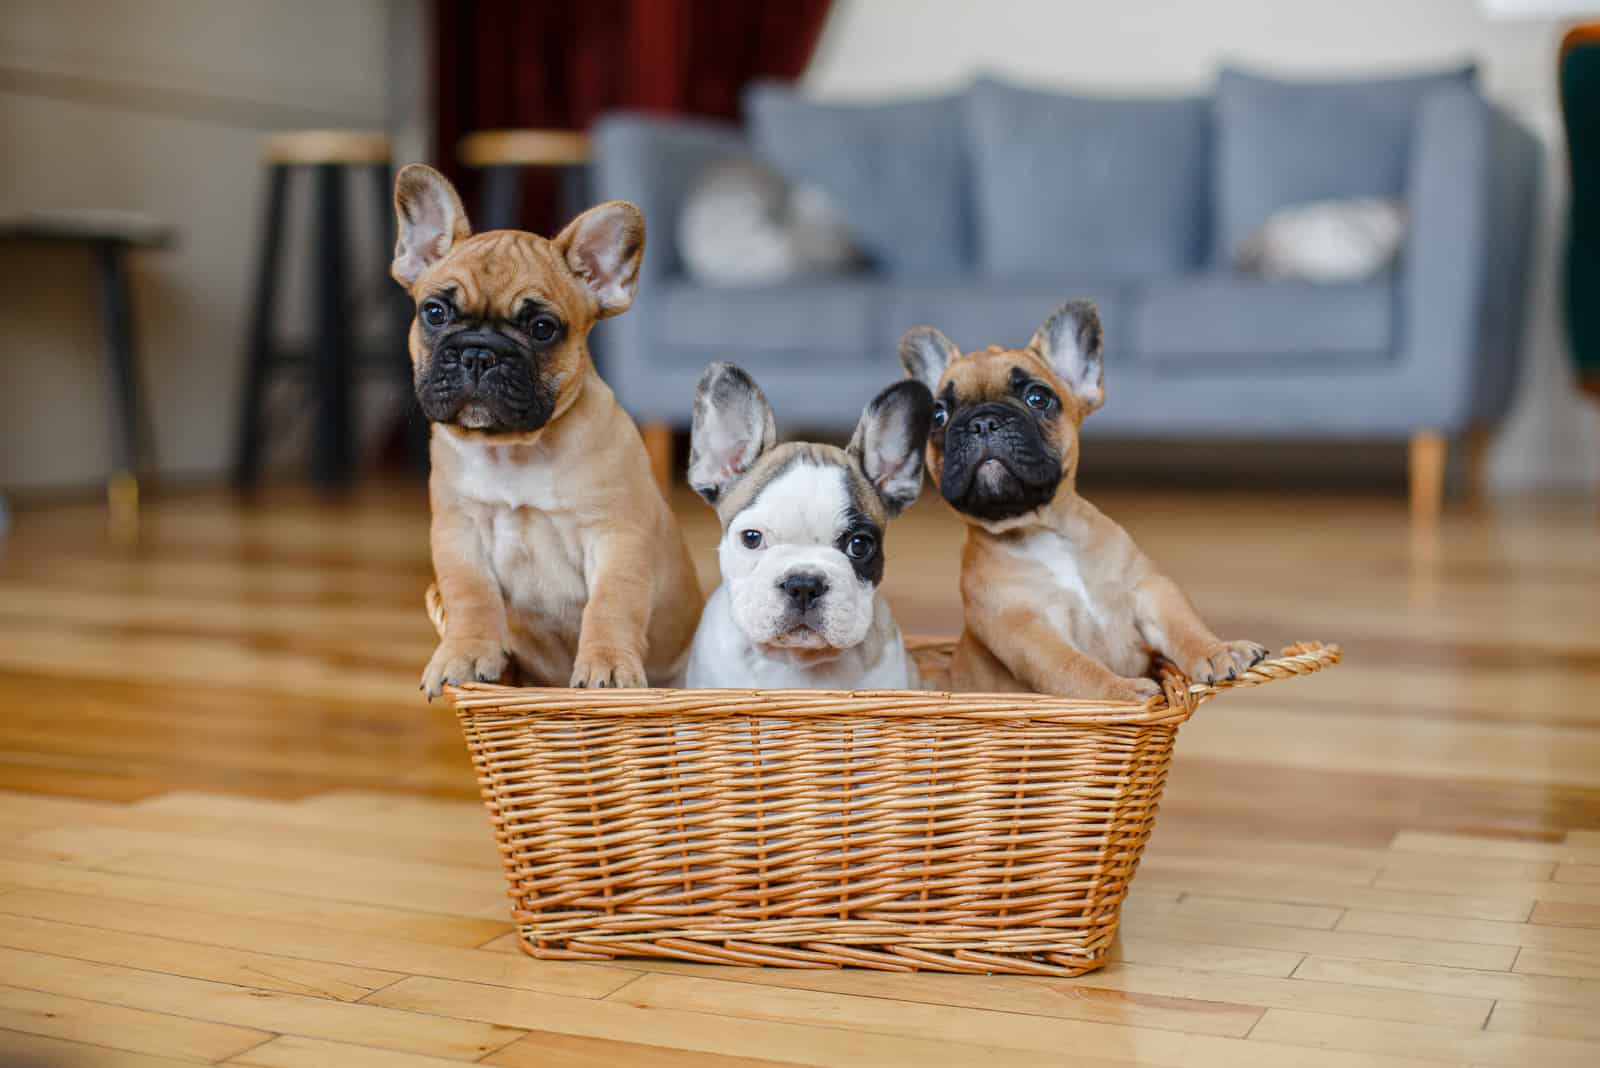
983 211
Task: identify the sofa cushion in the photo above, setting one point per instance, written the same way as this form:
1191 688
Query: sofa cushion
897 171
1071 184
1228 317
1284 143
973 313
835 319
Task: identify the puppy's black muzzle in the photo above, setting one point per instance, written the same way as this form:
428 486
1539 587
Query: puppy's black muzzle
484 368
476 352
1010 435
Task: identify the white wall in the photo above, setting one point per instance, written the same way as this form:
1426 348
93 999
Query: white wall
157 106
875 47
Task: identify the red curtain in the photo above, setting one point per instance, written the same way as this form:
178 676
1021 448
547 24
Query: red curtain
561 63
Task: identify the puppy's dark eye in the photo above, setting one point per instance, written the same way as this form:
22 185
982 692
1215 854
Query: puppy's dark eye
860 546
941 416
543 327
1038 398
751 539
435 312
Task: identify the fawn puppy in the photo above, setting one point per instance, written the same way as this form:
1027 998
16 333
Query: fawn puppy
1058 598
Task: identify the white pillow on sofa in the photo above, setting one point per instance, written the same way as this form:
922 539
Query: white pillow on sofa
743 225
1343 240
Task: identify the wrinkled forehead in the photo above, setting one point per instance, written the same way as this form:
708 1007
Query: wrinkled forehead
992 372
495 273
801 490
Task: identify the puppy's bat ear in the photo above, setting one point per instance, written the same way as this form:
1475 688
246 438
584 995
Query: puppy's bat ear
733 426
889 440
603 247
431 221
925 353
1070 342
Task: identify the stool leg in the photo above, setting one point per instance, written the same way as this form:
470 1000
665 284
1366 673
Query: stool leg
396 310
258 353
123 378
501 207
574 191
331 359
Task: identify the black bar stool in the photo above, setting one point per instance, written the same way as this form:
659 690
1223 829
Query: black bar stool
503 156
329 361
109 236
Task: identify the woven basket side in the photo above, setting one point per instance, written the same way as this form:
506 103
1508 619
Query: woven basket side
934 844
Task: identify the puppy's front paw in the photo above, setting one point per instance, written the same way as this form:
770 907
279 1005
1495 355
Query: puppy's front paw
466 660
1227 660
1135 690
608 667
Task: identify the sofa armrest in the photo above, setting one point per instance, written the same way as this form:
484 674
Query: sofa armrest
652 161
1471 195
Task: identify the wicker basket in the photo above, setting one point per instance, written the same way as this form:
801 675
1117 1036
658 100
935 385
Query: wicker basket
814 829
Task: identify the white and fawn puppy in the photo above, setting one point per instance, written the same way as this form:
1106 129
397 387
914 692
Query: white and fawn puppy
802 548
1058 598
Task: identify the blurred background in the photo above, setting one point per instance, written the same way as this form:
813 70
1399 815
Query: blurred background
1346 255
1176 131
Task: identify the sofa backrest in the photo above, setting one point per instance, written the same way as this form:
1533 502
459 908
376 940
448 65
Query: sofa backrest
1093 186
898 171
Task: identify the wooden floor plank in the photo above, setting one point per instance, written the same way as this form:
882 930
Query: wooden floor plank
257 823
261 1010
1224 909
1457 982
1003 1029
246 900
750 1020
729 1035
256 971
547 1049
1565 914
1337 943
95 1023
1456 1047
1055 998
1570 964
477 897
1481 932
17 1048
188 931
1335 896
1466 845
1546 1021
293 1051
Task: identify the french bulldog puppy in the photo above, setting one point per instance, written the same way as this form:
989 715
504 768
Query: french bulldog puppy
802 548
554 551
1058 598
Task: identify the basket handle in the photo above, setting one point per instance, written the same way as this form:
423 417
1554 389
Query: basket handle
1300 658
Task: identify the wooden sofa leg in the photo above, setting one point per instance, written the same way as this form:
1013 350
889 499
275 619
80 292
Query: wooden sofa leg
1479 441
658 443
1429 451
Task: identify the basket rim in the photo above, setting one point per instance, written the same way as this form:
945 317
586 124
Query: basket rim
1174 705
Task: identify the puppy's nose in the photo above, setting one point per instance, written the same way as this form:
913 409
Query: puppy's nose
804 590
983 425
477 360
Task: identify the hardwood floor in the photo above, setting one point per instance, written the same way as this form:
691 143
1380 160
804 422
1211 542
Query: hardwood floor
231 831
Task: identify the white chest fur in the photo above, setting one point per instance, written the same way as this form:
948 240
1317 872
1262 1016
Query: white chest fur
1093 607
505 476
533 544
